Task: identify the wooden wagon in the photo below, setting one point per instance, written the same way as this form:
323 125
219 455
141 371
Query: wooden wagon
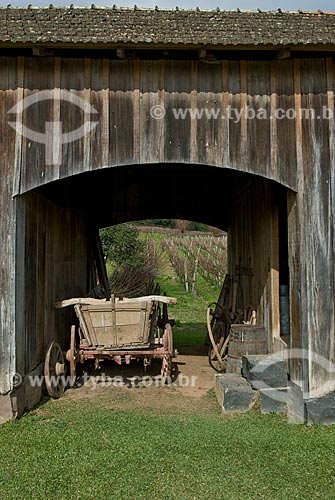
119 330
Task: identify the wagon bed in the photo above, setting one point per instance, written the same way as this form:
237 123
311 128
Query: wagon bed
118 329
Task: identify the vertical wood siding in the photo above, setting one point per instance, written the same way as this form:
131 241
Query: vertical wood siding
298 153
9 172
53 252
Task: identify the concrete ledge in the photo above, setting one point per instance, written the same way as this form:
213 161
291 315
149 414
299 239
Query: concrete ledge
6 411
234 393
265 371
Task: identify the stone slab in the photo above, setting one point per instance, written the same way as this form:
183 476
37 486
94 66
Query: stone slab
321 410
296 406
265 371
274 400
234 393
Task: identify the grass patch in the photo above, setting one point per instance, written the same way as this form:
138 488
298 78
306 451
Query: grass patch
189 334
82 451
188 309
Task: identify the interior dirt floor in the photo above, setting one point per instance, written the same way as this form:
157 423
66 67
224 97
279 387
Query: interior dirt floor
131 386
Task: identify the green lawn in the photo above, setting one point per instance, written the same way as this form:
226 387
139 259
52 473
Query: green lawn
84 451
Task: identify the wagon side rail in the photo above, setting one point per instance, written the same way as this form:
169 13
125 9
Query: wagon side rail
115 325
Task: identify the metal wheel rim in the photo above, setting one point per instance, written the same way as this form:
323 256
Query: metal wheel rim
168 346
54 383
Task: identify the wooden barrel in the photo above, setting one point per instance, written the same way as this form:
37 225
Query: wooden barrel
245 339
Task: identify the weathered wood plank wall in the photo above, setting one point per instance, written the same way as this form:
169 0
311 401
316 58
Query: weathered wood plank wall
9 92
253 252
55 258
311 229
124 92
298 153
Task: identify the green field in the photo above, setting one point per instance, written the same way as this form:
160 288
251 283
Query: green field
80 450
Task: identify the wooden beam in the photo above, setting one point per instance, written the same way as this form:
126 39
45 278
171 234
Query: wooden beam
90 301
284 53
121 53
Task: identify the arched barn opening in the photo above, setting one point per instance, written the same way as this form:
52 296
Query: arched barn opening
224 124
60 220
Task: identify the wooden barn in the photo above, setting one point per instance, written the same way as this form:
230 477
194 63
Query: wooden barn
115 114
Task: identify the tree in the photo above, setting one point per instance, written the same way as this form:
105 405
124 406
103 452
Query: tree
182 225
198 226
122 246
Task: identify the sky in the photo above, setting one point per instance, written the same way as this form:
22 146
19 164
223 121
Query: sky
312 5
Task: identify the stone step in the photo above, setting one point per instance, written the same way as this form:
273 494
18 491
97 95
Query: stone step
234 393
265 371
274 400
321 410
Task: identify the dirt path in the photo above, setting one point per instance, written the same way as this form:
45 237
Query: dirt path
129 387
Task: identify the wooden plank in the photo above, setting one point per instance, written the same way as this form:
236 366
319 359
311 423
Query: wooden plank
331 196
86 95
56 116
105 132
88 300
177 97
273 118
243 109
71 115
19 123
136 109
83 325
161 102
286 131
150 126
121 115
37 168
209 126
295 224
96 99
100 263
194 107
318 212
274 275
224 136
234 124
10 341
258 124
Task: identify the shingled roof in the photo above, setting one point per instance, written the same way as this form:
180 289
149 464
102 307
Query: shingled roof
142 26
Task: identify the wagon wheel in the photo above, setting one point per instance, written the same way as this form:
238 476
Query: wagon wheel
216 314
72 356
168 346
218 332
54 371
